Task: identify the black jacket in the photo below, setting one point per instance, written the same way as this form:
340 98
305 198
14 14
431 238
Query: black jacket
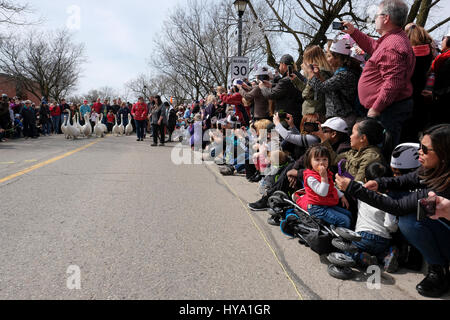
286 96
401 207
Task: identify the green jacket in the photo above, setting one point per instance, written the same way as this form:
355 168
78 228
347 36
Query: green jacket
357 161
313 102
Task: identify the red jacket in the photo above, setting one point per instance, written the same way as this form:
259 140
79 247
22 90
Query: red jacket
312 198
235 100
97 107
111 118
139 111
55 111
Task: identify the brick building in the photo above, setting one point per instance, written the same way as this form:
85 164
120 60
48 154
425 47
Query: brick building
13 88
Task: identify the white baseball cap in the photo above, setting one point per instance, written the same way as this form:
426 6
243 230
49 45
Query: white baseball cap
262 71
406 156
342 44
336 124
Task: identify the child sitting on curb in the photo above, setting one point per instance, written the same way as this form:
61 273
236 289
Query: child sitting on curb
322 197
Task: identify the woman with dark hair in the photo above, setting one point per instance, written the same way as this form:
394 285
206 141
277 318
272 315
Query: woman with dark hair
159 121
341 89
422 45
430 237
366 136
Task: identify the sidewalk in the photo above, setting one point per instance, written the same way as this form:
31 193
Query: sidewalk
309 270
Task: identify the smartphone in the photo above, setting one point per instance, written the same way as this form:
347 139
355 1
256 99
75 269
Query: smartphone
282 115
290 70
338 26
426 208
311 127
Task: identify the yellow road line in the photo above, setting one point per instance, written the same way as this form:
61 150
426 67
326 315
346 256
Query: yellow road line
262 235
45 163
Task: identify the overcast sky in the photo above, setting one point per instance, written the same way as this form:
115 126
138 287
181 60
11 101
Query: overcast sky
119 34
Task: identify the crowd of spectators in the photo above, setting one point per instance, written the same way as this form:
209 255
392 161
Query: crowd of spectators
363 129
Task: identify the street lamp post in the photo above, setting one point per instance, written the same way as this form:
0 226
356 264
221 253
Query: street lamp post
240 6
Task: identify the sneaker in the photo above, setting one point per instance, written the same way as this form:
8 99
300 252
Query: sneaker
391 260
227 170
260 205
436 282
366 260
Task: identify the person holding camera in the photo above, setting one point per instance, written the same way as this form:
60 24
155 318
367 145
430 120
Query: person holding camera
253 94
235 98
285 95
385 86
158 120
429 236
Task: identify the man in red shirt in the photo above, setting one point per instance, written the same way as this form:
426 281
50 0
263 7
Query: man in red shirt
140 113
385 87
97 106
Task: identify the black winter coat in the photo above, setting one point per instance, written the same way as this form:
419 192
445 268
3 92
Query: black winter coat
286 96
401 207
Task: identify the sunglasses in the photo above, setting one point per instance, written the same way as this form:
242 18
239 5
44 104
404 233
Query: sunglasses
425 149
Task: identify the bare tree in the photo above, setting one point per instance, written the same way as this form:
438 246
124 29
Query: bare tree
46 65
197 41
12 12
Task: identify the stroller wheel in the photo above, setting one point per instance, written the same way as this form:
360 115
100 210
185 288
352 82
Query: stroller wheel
347 234
281 195
344 246
341 273
341 260
274 221
275 202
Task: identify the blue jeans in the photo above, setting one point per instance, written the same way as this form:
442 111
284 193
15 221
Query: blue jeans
56 121
140 128
430 237
335 216
394 116
372 244
46 127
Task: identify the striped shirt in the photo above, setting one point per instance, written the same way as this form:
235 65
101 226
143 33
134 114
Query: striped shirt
386 78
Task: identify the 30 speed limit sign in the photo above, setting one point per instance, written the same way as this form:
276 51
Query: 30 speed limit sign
239 68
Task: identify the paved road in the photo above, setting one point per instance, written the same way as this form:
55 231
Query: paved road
140 227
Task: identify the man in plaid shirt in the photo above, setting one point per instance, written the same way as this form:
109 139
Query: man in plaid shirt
385 87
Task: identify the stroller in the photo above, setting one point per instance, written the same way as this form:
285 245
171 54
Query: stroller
296 222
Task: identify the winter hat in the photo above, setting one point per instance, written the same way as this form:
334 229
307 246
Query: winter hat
342 45
336 124
287 59
237 82
262 71
406 156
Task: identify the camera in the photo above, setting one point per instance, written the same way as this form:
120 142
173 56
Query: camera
290 70
282 115
338 26
311 127
426 208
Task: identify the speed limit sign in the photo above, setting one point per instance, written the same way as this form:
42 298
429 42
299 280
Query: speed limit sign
239 68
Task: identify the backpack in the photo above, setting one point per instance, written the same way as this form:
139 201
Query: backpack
309 231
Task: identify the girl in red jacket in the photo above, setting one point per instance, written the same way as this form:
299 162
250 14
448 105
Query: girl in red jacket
322 197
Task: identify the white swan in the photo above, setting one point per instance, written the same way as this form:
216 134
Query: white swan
129 128
121 127
115 129
73 131
103 126
87 128
98 129
78 125
64 127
